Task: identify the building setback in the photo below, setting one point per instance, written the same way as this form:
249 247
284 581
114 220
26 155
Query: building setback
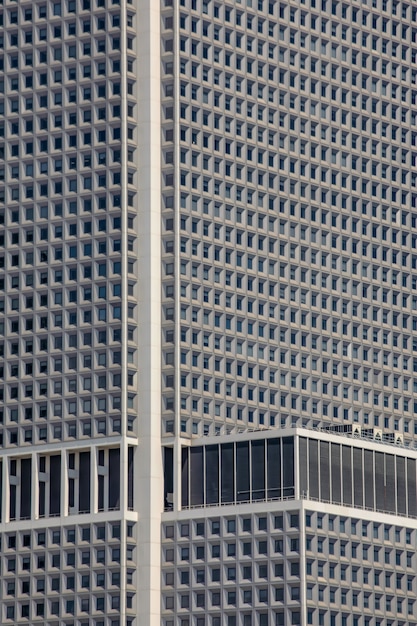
208 313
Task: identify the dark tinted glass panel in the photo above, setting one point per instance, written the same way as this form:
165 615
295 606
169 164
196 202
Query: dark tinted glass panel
242 471
184 476
390 482
358 477
369 478
346 475
25 488
100 492
313 468
12 502
84 482
258 470
302 443
196 476
42 491
71 493
288 466
227 472
168 476
411 487
212 474
114 478
335 465
380 482
324 471
401 491
274 468
55 485
130 477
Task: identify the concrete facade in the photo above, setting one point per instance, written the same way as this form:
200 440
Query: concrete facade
208 251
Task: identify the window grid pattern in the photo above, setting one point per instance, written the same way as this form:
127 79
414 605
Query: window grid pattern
236 569
68 572
359 572
61 223
297 201
65 225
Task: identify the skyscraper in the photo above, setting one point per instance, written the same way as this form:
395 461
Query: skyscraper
208 215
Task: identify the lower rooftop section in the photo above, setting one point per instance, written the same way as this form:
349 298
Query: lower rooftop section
290 528
295 464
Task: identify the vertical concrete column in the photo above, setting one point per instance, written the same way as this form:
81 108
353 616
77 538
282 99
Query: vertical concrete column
148 457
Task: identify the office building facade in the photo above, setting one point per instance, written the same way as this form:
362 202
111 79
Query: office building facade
207 314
